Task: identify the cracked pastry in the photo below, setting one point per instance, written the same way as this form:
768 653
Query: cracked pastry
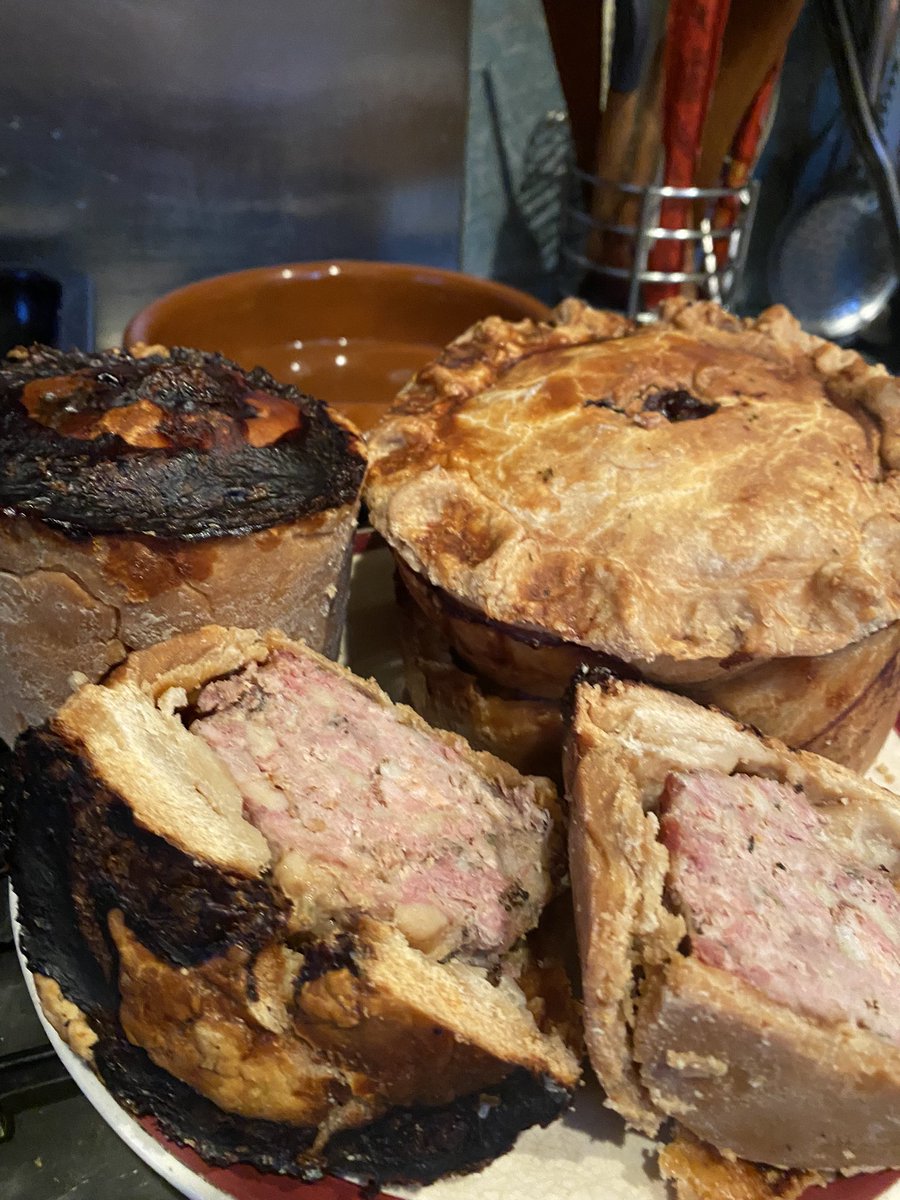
738 918
709 502
146 493
288 919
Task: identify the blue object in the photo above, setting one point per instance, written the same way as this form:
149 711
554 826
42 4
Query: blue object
30 303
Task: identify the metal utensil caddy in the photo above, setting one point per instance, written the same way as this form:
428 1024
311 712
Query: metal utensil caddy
714 276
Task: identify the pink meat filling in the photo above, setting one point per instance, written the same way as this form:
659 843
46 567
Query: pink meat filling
365 813
769 900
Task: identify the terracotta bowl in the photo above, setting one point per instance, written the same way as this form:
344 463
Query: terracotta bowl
350 333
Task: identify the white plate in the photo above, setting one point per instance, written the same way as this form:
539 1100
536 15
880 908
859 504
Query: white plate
587 1154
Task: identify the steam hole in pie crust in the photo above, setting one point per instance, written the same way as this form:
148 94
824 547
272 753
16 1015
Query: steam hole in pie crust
679 405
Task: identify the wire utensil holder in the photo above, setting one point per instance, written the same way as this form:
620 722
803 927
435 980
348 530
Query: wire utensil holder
715 243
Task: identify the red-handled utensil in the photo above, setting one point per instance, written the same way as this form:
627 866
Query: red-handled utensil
694 33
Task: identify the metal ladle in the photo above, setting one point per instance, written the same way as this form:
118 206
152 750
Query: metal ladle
838 265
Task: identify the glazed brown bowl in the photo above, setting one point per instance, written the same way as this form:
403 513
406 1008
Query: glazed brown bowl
350 333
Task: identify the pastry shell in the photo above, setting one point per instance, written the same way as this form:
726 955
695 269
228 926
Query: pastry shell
691 1042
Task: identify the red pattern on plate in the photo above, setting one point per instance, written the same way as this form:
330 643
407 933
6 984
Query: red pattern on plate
246 1183
367 539
863 1187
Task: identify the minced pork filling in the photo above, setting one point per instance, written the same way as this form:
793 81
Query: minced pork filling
366 813
769 899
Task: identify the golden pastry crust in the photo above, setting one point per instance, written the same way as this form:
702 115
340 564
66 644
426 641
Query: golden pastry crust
66 1018
547 475
698 1172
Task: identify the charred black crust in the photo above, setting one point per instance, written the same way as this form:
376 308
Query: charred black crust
415 1145
183 910
407 1145
197 487
50 936
7 806
186 1117
321 957
419 1145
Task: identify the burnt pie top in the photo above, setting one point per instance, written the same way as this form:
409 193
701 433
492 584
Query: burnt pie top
701 488
165 442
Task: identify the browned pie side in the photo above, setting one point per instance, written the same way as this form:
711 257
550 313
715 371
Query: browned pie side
840 705
501 687
80 605
524 731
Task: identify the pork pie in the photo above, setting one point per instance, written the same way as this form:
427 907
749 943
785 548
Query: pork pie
288 919
711 501
738 919
146 493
